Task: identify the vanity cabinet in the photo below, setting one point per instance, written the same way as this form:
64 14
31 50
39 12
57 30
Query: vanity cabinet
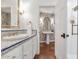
34 46
27 49
15 53
30 48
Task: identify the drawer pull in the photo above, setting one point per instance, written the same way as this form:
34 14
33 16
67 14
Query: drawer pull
13 57
25 55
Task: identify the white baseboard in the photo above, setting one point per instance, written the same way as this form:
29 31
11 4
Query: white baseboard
45 41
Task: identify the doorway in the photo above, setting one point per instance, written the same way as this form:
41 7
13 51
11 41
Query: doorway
47 33
47 24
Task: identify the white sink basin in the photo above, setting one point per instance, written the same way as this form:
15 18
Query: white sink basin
48 32
47 37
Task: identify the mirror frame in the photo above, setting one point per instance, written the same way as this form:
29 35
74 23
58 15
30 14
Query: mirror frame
14 26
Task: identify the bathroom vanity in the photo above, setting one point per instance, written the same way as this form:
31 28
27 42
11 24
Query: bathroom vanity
20 47
16 41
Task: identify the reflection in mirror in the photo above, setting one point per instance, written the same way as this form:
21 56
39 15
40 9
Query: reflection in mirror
9 14
6 16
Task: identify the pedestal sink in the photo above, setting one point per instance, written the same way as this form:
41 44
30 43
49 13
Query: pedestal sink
47 36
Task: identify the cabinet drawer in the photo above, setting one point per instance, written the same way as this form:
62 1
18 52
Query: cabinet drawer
5 57
10 57
16 53
34 46
28 56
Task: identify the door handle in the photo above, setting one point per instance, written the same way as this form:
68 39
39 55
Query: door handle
64 35
25 55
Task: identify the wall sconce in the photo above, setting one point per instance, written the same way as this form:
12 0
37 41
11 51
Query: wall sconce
72 22
74 27
21 12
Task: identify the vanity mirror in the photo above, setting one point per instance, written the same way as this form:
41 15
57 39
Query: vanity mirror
9 14
6 16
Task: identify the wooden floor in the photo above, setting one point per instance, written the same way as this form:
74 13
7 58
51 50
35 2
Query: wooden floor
46 51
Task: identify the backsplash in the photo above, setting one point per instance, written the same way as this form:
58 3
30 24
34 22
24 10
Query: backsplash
12 32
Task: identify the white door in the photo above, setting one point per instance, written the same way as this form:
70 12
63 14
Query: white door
60 29
72 39
62 48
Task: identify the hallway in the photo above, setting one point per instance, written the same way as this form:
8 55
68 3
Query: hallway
46 51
